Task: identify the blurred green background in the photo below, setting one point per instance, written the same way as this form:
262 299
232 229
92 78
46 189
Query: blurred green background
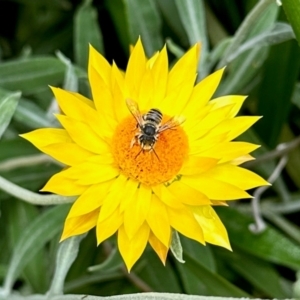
45 42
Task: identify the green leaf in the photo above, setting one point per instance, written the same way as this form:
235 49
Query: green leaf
159 277
176 247
66 254
192 15
86 31
144 21
214 283
258 272
8 104
31 75
113 262
269 245
280 33
292 10
34 238
28 113
116 8
20 215
275 92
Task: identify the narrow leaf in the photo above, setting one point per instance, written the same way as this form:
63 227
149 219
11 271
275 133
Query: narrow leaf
66 254
8 105
176 247
86 32
144 21
269 245
34 237
192 15
31 75
292 10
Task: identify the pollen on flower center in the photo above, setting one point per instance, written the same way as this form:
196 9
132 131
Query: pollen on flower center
144 166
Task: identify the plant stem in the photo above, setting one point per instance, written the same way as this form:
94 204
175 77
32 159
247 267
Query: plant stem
31 197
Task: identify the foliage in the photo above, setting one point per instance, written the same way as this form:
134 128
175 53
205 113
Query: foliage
256 42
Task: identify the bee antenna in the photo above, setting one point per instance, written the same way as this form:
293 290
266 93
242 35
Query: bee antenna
139 153
155 153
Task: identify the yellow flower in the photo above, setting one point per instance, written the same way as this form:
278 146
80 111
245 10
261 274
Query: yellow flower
144 186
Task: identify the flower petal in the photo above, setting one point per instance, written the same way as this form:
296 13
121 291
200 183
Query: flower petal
83 135
79 225
132 249
63 185
184 222
236 176
90 200
215 189
158 220
195 165
113 199
109 226
187 194
213 229
135 69
202 93
137 211
160 249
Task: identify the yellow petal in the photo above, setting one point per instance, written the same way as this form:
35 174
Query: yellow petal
236 100
103 99
83 135
187 195
62 185
47 136
109 226
131 250
131 188
236 176
135 69
184 68
100 64
177 98
228 151
119 92
136 212
73 106
159 73
164 194
89 173
211 120
202 93
84 99
203 145
184 222
241 159
234 127
160 249
213 229
215 189
158 220
90 200
79 225
67 153
196 165
113 199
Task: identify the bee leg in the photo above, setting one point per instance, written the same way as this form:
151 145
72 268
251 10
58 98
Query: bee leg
133 141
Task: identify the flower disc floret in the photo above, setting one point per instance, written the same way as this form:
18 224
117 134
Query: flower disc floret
149 167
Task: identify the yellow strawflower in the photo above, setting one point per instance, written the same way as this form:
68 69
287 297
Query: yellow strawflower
150 154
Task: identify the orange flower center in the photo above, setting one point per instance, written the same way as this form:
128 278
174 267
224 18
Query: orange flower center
149 166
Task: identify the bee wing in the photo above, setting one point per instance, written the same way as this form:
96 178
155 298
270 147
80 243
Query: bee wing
135 111
173 122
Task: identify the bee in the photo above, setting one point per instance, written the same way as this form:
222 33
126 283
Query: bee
150 126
